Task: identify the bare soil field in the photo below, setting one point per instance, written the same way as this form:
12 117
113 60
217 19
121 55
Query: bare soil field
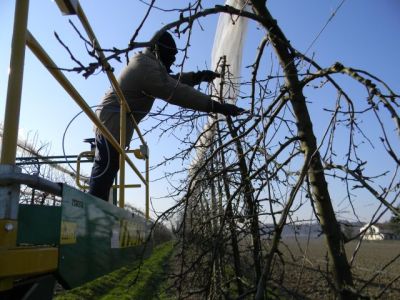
376 269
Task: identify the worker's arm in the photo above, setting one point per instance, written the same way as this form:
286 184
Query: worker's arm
195 78
159 84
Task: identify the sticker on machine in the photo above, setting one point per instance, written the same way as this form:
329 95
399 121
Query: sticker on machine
127 233
68 233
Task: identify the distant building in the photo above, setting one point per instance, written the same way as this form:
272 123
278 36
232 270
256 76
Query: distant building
378 232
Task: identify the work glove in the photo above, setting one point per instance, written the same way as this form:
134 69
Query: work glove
206 76
226 109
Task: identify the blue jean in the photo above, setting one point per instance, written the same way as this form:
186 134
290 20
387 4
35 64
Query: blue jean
105 168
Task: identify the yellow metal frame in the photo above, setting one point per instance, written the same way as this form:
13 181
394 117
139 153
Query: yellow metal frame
11 121
8 238
91 154
14 89
124 108
78 168
45 59
17 262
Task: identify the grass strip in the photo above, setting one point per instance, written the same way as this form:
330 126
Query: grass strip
130 282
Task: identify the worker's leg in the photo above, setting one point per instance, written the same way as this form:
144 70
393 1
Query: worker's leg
105 167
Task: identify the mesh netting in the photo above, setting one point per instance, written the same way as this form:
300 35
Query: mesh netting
228 44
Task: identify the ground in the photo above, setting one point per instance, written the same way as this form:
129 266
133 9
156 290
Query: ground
305 275
130 282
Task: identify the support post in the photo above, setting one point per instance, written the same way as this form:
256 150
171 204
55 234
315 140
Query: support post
343 277
14 90
9 194
9 198
122 143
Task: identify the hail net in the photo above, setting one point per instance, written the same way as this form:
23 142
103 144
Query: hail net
227 50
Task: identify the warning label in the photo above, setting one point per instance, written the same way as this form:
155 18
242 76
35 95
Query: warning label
68 233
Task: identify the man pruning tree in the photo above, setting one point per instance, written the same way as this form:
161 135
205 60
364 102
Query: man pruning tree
146 77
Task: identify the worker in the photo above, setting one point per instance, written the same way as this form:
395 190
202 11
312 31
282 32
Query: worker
146 77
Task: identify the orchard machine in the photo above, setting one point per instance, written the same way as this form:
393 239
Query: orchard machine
81 237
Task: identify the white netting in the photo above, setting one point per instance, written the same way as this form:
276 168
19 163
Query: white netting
228 42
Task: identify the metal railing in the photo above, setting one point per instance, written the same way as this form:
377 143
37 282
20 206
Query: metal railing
23 261
11 122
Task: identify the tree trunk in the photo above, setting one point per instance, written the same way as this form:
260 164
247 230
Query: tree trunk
326 214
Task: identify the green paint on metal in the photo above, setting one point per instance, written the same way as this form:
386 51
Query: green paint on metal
96 237
38 225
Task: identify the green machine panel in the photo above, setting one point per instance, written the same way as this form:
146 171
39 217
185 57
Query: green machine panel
38 225
97 237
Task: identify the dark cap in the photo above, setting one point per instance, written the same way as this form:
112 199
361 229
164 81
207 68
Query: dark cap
166 49
167 42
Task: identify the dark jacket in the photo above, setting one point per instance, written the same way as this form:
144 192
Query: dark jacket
142 80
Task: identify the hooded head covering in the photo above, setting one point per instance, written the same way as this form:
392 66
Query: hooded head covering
166 49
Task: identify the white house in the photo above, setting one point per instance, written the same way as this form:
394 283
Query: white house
377 232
